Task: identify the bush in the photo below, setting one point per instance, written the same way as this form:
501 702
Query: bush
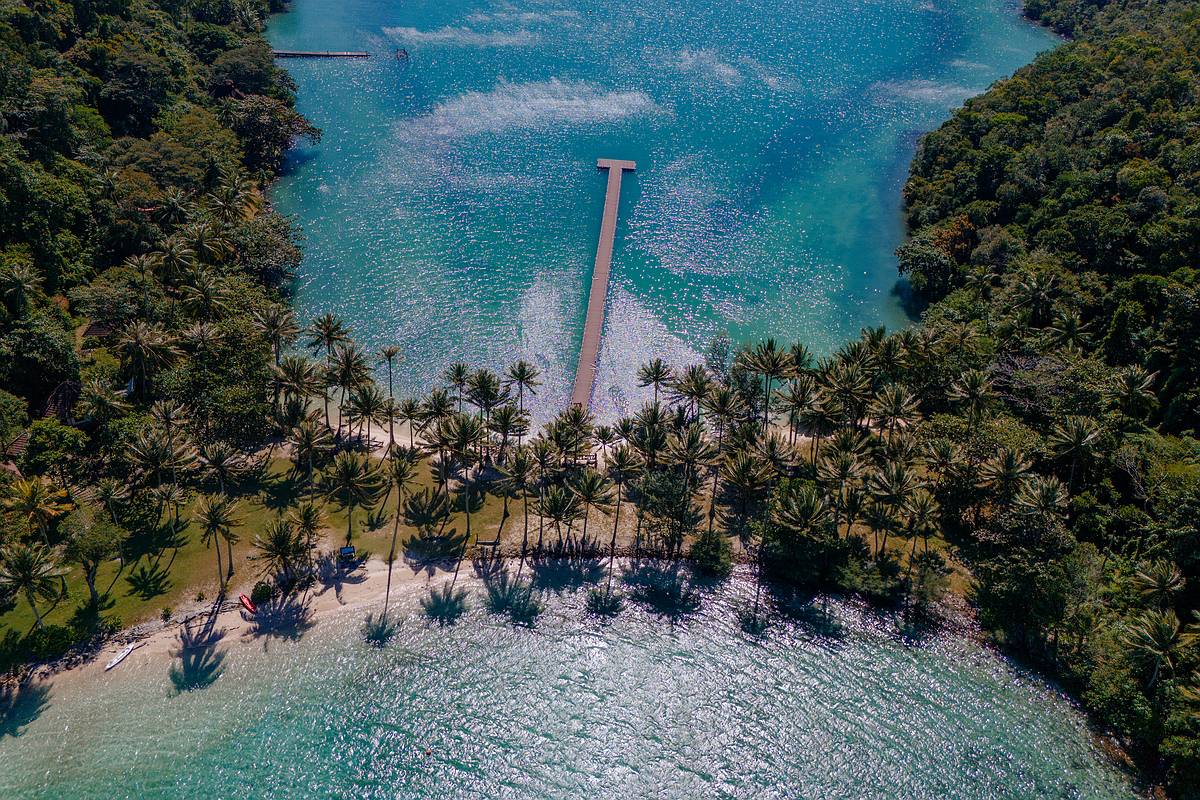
48 642
262 592
712 554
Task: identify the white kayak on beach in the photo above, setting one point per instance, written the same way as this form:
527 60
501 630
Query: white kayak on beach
120 656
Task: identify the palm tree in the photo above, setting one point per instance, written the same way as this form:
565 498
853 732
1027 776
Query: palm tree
507 422
401 473
205 295
1132 392
1159 582
353 482
692 387
623 467
109 492
690 451
1042 498
559 505
463 433
840 472
922 510
654 373
545 457
1036 291
277 547
1005 474
592 490
457 375
747 477
892 487
894 405
98 402
36 502
366 405
216 516
1073 439
221 461
796 400
410 412
972 391
31 570
774 364
517 476
19 282
154 455
145 348
309 441
277 324
295 377
349 372
525 377
308 520
1156 637
327 331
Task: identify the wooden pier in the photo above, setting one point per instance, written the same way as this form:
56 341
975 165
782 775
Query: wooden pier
593 326
319 54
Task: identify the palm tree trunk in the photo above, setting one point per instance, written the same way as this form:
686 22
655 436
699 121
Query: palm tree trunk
37 615
612 547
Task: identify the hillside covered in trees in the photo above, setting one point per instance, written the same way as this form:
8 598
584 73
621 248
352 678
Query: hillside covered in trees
1037 425
1058 217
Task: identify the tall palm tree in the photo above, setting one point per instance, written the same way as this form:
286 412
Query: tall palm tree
1158 582
517 476
349 371
222 461
309 441
973 392
623 467
216 516
525 377
353 481
1156 637
409 412
593 491
31 570
894 405
205 294
692 388
366 406
773 364
401 474
457 375
36 502
277 547
1073 440
507 422
545 456
654 373
18 283
1005 473
145 348
277 324
1132 392
1042 498
327 331
464 433
560 506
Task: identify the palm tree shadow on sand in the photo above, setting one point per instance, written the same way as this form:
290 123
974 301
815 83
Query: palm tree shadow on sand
200 660
567 568
334 573
288 617
666 588
444 606
20 704
506 594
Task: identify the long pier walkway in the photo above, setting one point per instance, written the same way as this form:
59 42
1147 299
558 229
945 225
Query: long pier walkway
593 326
320 54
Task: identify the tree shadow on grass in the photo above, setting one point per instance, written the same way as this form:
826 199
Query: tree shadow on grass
281 493
288 617
148 581
664 587
199 659
20 704
444 606
429 552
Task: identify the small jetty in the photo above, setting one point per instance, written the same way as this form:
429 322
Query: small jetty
593 326
320 54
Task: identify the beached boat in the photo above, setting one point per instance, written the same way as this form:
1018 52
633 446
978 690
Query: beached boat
248 604
120 656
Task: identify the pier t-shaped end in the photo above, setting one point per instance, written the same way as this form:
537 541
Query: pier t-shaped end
615 163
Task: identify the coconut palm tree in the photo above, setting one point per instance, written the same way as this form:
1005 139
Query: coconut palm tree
353 482
410 412
277 547
1004 474
921 510
154 455
19 282
525 377
1035 291
401 474
560 506
307 520
973 392
1041 497
773 364
109 492
517 476
31 570
840 472
1158 582
349 371
366 406
622 468
1156 637
692 387
457 375
894 405
295 377
545 456
37 502
145 348
1132 392
1073 440
593 491
221 461
309 442
654 373
326 332
507 422
216 516
795 400
746 477
98 403
463 434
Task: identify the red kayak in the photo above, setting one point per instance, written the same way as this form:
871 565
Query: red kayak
247 604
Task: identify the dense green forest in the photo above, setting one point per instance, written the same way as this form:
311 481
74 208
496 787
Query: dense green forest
1058 217
1037 426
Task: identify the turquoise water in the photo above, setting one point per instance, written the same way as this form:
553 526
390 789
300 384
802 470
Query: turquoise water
454 203
836 706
